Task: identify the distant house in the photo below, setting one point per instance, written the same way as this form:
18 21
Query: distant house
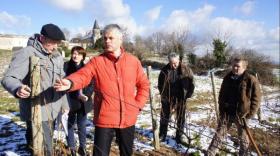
10 42
73 42
76 40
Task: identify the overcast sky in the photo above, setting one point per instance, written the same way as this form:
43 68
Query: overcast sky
250 24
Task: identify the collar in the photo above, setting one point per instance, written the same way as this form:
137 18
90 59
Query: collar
239 77
112 57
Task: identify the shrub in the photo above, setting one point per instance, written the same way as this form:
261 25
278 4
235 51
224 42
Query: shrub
203 65
154 64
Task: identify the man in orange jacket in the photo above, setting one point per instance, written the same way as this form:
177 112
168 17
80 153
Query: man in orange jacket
121 90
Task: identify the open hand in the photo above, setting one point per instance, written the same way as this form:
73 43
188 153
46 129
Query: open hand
62 84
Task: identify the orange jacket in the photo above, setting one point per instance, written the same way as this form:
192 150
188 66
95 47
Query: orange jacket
121 88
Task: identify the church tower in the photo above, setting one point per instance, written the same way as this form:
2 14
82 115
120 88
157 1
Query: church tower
96 32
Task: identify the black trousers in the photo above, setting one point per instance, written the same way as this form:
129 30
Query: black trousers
103 139
178 105
48 135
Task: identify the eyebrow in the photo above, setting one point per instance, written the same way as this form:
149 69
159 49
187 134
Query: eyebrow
110 37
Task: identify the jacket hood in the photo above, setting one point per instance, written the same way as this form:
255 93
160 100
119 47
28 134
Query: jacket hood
34 41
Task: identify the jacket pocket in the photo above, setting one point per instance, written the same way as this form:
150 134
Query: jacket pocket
244 108
132 107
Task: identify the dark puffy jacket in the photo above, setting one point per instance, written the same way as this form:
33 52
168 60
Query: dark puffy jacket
248 97
74 102
184 86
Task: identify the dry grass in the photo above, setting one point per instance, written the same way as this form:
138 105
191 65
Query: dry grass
268 141
8 105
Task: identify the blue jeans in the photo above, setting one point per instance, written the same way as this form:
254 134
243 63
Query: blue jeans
81 117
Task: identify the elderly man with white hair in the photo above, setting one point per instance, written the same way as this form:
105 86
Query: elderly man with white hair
175 84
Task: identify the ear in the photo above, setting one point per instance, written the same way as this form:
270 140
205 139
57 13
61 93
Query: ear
121 38
42 38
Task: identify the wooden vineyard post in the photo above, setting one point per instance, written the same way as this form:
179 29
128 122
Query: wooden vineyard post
215 95
259 114
153 112
36 117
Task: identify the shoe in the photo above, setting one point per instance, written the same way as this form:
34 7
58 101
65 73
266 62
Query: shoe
73 152
28 148
82 151
162 138
179 140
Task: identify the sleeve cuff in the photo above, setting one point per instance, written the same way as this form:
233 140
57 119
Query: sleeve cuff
71 86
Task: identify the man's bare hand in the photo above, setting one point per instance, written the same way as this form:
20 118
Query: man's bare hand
62 84
23 91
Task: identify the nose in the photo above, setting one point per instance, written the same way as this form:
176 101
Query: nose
55 46
107 40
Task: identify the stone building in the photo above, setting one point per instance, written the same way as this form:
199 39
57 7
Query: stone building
10 42
91 37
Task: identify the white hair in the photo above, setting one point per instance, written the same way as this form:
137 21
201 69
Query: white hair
173 55
111 27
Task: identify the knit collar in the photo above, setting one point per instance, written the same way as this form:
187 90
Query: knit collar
112 57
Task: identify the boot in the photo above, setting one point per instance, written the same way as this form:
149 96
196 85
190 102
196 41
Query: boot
162 138
162 134
82 151
73 152
29 149
179 139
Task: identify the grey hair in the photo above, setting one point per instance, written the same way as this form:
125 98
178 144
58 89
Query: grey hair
173 55
111 27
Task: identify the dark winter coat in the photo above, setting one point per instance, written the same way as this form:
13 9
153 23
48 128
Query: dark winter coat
247 99
184 83
75 103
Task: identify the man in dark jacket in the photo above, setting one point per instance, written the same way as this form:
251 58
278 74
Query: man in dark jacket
239 98
175 84
17 80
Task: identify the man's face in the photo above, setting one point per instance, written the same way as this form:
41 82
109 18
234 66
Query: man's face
174 63
238 68
112 40
49 44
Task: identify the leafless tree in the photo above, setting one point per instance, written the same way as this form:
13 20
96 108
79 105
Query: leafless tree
140 48
181 41
156 41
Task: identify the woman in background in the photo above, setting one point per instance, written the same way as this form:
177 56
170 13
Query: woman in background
80 103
